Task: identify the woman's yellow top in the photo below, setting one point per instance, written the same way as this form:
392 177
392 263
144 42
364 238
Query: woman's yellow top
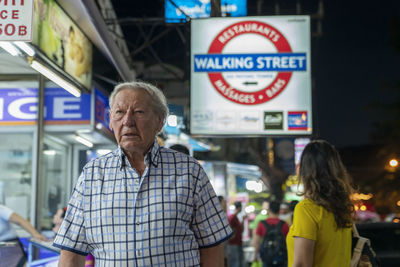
332 246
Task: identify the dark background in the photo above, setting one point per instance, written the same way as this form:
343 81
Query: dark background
355 77
353 61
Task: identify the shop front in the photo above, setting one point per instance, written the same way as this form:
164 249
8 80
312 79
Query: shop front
36 182
53 114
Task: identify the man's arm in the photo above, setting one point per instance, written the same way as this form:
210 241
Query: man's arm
212 257
256 245
70 259
15 218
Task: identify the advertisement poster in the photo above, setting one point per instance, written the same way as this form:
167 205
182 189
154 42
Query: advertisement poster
58 37
251 76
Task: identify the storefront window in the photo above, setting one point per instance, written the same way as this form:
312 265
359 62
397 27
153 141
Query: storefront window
54 180
16 171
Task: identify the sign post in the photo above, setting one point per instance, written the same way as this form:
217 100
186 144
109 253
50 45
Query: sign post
251 76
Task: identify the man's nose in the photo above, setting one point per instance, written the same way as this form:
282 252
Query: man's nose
128 119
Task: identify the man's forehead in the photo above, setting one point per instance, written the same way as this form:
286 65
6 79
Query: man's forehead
134 97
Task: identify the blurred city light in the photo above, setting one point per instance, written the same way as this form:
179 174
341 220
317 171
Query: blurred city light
254 186
264 212
172 120
361 196
250 209
393 163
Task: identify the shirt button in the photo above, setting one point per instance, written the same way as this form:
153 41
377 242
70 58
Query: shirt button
137 181
138 253
137 222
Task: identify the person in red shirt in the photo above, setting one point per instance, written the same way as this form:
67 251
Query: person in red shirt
235 250
261 230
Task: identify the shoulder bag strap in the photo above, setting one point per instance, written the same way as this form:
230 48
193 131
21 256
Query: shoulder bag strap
357 251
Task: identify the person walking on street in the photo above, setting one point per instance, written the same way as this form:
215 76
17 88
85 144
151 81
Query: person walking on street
235 244
321 231
142 204
269 240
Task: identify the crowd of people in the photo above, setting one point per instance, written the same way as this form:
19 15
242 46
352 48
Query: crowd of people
147 205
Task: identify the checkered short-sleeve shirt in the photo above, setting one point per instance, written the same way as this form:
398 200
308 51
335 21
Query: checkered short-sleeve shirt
160 219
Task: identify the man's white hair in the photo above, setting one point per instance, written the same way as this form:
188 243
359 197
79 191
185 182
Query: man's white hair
159 102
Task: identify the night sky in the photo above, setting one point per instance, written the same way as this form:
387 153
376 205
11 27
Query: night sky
352 62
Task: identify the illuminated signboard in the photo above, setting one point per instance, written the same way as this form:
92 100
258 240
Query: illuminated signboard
16 20
18 106
202 9
58 37
251 76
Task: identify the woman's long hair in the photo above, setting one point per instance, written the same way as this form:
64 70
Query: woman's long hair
326 181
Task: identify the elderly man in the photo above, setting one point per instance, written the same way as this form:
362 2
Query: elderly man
142 205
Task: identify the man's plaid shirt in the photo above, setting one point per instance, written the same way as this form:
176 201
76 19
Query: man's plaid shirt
159 219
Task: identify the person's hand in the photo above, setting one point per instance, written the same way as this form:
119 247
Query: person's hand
40 237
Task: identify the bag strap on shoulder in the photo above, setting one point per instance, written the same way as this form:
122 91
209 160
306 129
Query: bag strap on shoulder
355 231
269 226
357 251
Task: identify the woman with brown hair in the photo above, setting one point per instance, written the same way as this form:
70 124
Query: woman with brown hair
322 222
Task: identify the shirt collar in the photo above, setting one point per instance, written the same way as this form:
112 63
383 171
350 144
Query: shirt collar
153 154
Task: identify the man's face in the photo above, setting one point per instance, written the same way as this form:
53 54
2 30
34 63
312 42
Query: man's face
133 120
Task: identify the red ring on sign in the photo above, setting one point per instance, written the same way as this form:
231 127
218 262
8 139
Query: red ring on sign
258 97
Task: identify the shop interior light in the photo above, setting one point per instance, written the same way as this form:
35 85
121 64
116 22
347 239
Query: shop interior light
51 75
26 48
10 48
83 141
49 152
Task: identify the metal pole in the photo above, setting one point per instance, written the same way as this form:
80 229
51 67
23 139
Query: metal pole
39 153
215 8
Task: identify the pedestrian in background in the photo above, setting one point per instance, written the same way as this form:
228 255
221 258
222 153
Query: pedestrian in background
277 256
9 217
142 204
235 244
321 230
284 212
263 215
13 255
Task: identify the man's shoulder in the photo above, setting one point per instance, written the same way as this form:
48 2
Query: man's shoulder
111 157
232 218
168 154
274 221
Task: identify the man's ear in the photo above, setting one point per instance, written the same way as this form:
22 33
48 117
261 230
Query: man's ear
109 121
160 124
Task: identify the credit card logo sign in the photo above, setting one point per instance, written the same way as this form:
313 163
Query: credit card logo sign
273 120
297 120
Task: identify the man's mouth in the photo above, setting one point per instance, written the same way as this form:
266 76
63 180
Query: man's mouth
129 134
